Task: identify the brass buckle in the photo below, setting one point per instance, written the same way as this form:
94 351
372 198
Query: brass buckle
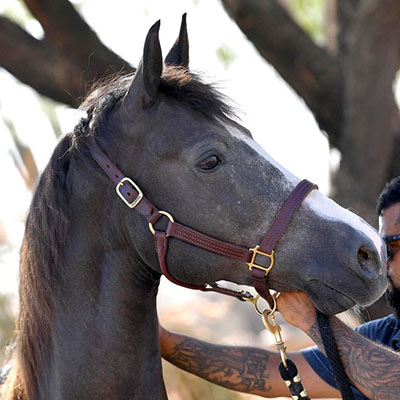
256 252
136 187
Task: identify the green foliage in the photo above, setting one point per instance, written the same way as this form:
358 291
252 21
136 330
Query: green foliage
310 15
226 55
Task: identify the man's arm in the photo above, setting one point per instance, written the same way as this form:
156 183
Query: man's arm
373 369
244 369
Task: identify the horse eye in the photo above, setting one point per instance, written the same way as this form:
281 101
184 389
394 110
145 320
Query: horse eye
209 163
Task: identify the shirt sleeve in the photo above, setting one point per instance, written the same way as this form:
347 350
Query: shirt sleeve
320 364
383 331
369 330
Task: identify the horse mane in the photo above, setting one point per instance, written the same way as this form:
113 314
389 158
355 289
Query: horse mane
40 270
177 84
41 255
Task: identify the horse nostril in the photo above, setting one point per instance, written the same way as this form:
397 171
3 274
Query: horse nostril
368 262
362 256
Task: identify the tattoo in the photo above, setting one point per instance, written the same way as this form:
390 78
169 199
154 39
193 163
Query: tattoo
238 368
373 368
316 336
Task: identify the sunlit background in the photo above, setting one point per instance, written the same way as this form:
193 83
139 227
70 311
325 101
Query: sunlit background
30 126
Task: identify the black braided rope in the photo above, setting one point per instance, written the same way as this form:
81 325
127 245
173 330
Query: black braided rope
332 353
290 374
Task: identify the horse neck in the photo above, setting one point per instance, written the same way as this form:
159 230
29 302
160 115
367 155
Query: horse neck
105 331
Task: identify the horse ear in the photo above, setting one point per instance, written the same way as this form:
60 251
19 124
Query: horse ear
148 74
179 53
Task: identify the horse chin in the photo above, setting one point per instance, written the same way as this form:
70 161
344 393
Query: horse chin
332 302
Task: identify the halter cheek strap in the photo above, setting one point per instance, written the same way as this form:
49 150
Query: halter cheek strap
133 197
281 221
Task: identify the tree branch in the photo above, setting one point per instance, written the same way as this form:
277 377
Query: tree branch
313 74
34 63
61 22
346 11
65 28
64 64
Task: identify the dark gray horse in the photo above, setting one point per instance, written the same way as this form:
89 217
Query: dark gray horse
87 327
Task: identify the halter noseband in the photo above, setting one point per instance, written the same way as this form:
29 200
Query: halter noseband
133 197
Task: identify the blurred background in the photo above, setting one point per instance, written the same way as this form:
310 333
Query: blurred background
316 82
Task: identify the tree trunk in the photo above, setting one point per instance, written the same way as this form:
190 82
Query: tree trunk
369 58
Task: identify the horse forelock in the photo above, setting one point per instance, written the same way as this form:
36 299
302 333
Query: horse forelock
188 88
177 84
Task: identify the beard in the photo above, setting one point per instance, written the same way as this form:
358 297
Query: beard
393 298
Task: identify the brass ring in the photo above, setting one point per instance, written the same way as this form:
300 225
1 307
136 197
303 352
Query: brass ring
255 299
168 215
256 306
274 297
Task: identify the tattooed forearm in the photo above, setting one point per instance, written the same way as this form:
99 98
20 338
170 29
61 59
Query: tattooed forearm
316 336
243 369
374 369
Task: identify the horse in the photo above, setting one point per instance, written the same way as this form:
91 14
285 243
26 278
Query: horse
87 326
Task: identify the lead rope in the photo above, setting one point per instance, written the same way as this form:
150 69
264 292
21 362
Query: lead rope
332 353
287 368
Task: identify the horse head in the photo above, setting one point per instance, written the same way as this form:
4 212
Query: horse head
179 140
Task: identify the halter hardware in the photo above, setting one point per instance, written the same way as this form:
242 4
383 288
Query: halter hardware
269 320
139 197
257 252
254 300
168 215
144 207
287 368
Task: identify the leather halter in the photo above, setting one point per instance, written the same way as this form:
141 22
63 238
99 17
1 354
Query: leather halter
133 197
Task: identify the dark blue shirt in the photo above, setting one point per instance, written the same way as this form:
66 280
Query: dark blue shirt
384 331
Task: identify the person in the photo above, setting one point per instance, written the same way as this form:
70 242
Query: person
368 353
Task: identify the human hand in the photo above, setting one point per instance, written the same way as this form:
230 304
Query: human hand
297 309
